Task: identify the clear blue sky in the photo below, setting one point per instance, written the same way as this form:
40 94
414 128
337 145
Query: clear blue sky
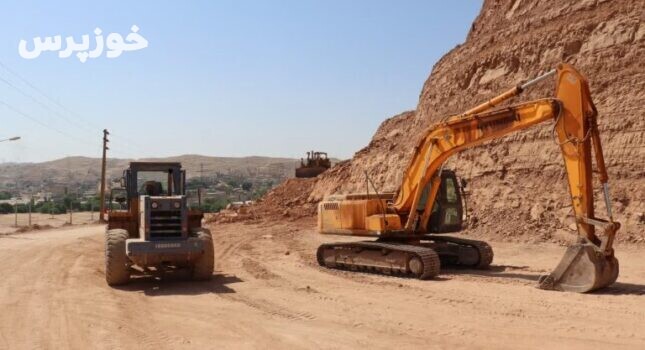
224 78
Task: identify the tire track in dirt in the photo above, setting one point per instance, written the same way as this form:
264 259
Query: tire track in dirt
54 296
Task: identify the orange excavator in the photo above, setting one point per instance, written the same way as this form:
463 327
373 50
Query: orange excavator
409 225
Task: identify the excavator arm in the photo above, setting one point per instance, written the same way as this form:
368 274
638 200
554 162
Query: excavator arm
405 243
576 131
454 136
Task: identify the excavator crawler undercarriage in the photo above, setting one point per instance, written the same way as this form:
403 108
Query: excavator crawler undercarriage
422 258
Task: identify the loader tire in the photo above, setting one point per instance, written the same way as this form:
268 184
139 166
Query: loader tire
203 267
117 264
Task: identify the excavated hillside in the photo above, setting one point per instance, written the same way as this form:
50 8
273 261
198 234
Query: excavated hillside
517 185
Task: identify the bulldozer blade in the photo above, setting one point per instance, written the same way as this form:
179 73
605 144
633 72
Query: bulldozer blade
583 268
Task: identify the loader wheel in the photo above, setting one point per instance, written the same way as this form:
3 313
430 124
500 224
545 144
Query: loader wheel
117 264
203 267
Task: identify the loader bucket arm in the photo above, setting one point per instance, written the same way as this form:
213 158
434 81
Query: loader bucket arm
586 266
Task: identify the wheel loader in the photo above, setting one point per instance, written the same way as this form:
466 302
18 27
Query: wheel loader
410 225
152 229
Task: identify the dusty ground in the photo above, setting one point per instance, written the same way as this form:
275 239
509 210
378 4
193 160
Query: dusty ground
8 221
268 293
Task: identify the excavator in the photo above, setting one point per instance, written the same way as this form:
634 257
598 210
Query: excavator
410 225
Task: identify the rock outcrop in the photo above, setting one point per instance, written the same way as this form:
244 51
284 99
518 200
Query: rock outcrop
510 41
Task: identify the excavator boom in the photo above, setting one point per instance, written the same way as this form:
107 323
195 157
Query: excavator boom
587 265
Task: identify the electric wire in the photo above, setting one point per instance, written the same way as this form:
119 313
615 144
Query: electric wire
86 127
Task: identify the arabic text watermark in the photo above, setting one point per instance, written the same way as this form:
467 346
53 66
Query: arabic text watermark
114 42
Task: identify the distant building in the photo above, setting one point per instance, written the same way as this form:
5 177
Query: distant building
14 201
57 190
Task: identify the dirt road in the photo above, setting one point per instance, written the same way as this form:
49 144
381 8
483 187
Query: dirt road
268 293
43 221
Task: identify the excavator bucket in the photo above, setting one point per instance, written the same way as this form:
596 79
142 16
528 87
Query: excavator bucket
583 268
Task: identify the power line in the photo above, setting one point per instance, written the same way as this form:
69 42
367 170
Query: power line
118 151
39 102
128 141
43 105
26 82
60 105
25 115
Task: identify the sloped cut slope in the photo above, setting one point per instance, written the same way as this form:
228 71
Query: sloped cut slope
517 184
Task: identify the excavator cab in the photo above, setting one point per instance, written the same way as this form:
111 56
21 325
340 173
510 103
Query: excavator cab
447 210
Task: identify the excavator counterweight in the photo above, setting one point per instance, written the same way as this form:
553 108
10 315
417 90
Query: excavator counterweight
409 225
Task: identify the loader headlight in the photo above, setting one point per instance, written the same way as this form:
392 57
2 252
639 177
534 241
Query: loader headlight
177 205
154 205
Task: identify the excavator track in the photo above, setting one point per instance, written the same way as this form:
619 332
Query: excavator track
422 260
484 250
380 257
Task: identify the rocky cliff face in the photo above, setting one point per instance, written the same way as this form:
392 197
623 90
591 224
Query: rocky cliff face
518 187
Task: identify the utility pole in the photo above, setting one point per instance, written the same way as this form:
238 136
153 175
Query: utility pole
199 197
201 182
102 194
15 210
31 199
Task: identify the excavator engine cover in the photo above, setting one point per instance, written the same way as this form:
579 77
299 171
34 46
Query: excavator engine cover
583 268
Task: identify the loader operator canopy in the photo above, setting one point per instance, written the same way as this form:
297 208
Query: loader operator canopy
154 179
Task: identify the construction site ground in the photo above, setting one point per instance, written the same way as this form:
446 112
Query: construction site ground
268 292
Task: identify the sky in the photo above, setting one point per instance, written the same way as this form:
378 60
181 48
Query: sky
219 78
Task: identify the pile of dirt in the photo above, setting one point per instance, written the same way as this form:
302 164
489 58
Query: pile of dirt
288 200
518 186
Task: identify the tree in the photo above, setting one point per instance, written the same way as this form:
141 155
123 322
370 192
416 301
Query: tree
23 208
51 207
6 208
195 183
212 205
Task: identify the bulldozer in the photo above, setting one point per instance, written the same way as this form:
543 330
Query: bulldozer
316 164
151 229
410 225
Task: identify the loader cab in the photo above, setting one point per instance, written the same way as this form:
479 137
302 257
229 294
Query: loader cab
447 210
150 190
154 179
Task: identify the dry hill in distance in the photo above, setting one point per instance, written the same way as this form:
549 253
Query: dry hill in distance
71 171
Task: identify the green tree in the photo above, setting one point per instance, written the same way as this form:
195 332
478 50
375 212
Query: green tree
6 208
195 183
213 205
51 207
